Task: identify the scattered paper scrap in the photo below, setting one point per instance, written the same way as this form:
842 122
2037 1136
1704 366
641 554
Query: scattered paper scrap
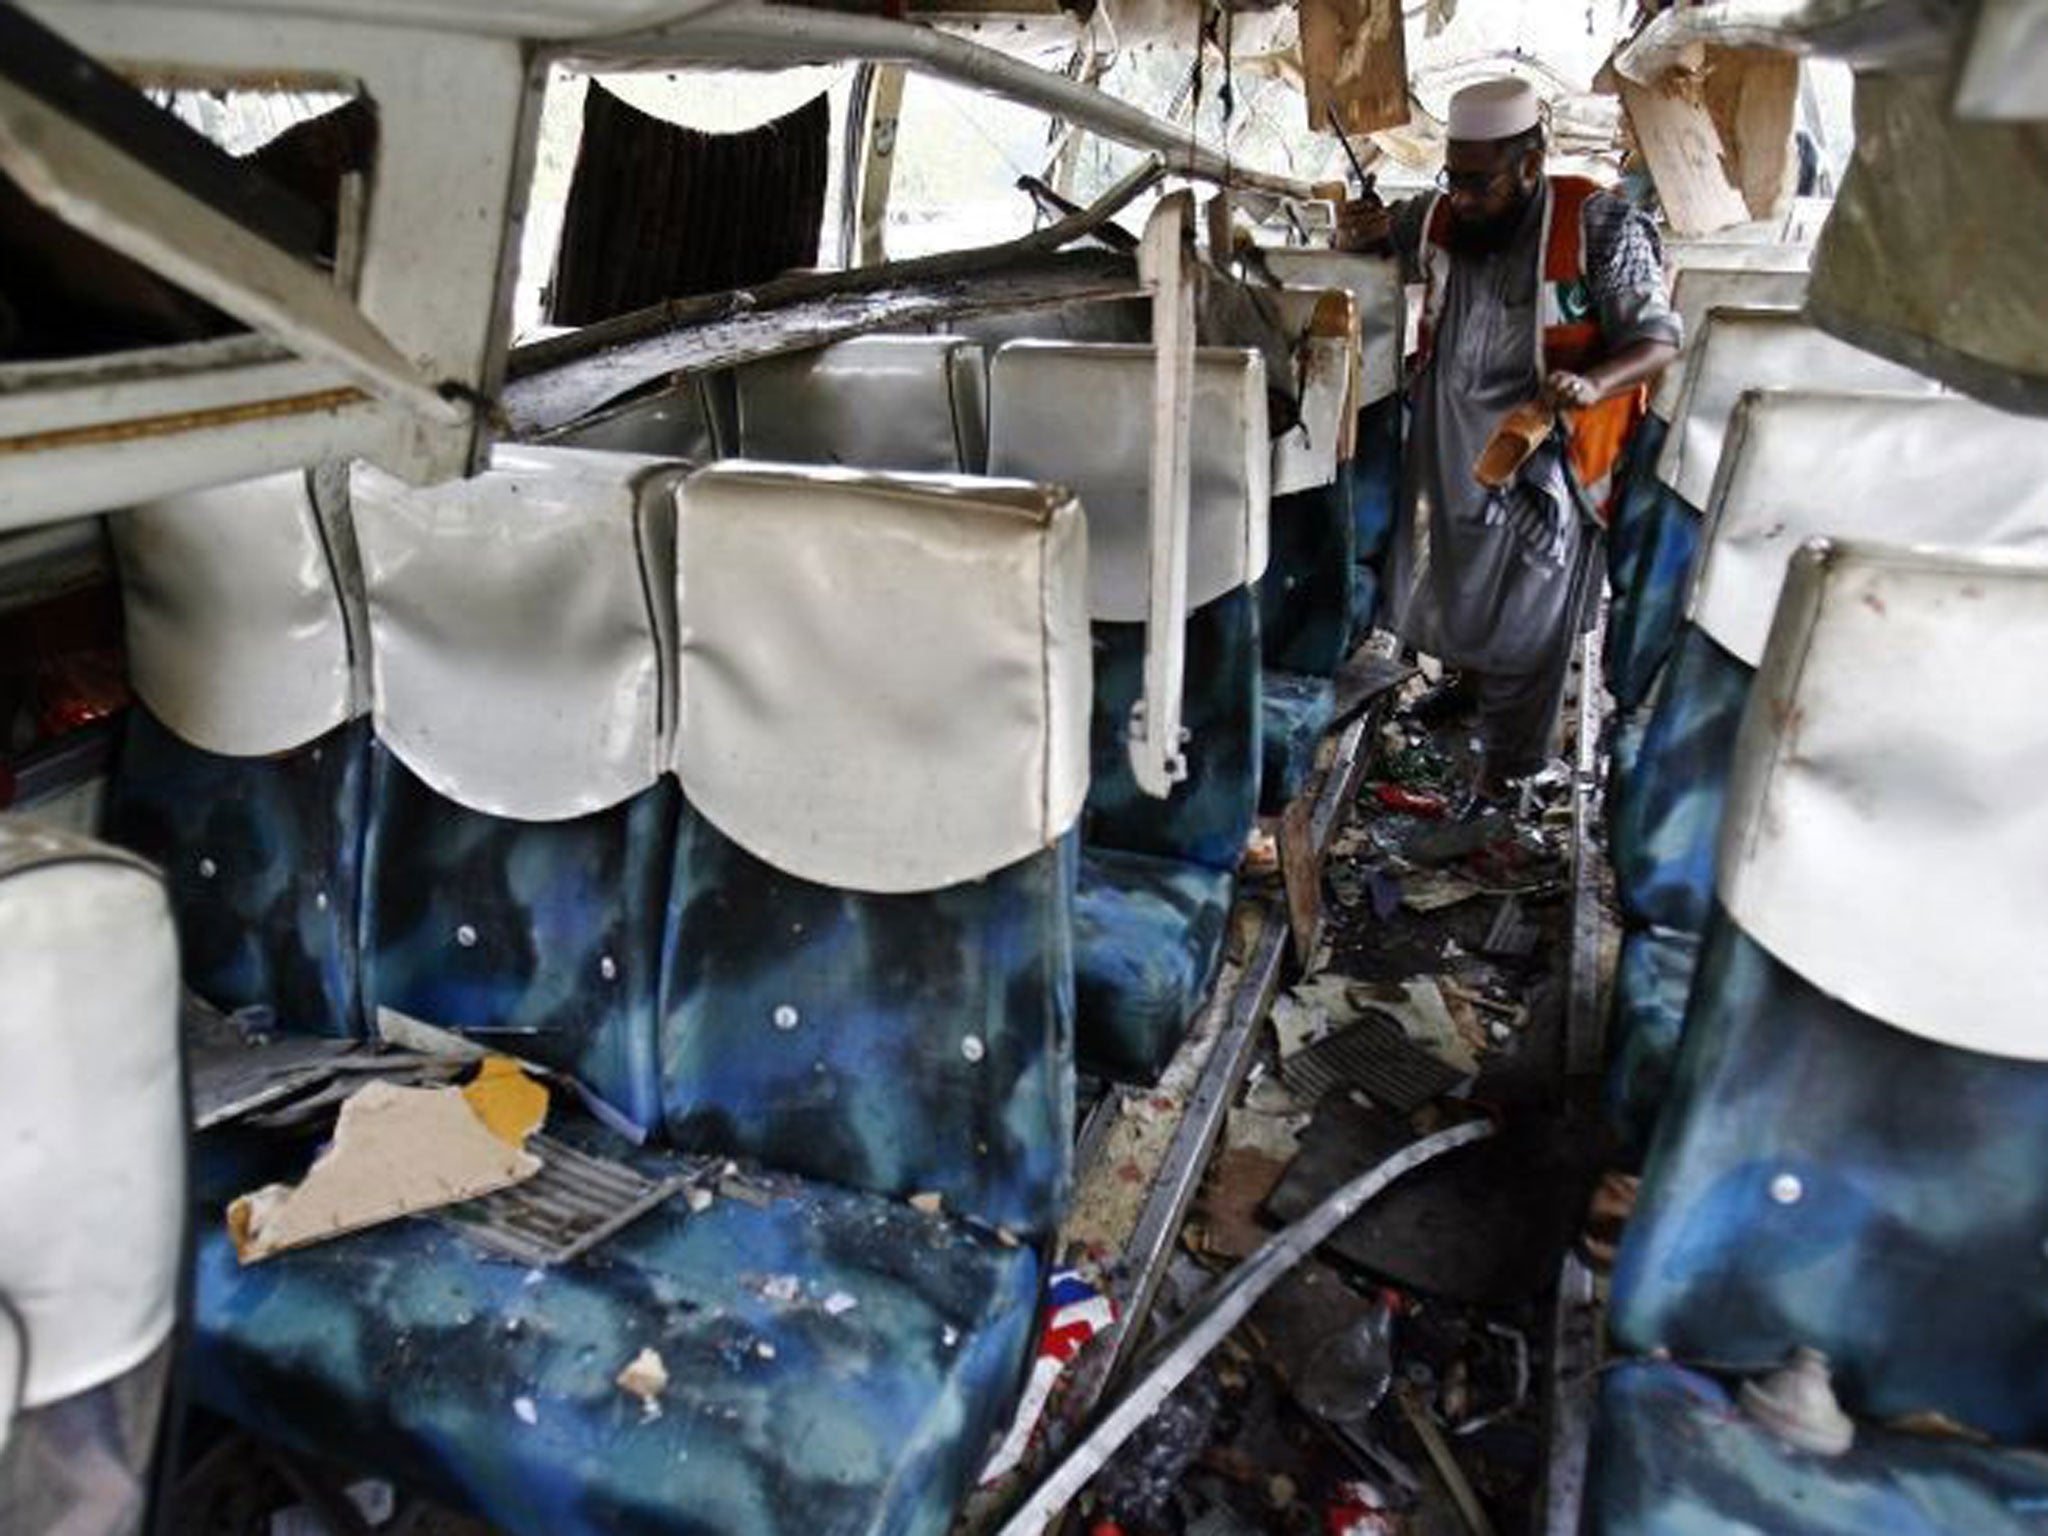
396 1151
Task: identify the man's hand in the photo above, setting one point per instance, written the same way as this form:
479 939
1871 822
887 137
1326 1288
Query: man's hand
1365 225
1571 391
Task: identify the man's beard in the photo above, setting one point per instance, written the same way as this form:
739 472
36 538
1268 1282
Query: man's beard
1489 236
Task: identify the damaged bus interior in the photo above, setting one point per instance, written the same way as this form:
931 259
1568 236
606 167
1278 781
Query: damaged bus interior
718 816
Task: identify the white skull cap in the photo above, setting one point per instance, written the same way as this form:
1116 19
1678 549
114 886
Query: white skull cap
1493 109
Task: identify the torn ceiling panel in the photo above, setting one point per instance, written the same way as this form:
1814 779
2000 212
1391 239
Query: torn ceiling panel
1933 254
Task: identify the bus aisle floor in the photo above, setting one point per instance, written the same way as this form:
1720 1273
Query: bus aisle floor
1393 1382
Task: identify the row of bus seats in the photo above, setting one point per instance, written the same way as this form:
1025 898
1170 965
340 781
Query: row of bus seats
748 801
1827 1312
1156 878
1272 576
1796 465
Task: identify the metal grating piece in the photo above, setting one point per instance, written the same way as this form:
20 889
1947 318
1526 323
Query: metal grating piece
1374 1054
575 1202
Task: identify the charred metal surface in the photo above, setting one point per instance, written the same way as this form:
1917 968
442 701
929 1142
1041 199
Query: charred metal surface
737 328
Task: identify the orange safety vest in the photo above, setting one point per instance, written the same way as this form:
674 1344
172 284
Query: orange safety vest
1568 331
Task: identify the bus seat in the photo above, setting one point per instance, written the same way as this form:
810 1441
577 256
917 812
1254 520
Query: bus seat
694 417
883 753
1854 1158
837 1362
1696 291
1157 876
916 403
1736 350
93 1104
521 823
1305 597
242 769
1796 466
1380 298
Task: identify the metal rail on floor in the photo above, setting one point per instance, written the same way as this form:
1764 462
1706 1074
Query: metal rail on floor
1166 1207
1585 1020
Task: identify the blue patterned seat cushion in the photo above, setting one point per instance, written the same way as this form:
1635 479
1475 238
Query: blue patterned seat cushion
1672 1456
413 1353
1148 940
1667 814
1210 814
1636 474
1305 595
898 1044
1644 617
1375 481
1651 986
1294 712
263 857
1911 1255
542 939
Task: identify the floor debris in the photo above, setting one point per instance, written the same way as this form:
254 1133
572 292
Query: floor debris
645 1377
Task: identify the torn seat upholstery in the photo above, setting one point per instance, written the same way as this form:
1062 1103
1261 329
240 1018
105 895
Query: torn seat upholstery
1305 597
1854 1158
862 975
1156 875
1370 480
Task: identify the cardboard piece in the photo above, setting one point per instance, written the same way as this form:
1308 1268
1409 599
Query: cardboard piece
1354 61
396 1151
1716 131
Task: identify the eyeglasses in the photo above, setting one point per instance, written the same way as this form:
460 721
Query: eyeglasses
1472 183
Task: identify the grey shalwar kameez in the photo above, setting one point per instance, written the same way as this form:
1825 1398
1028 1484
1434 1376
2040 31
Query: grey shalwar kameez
1499 584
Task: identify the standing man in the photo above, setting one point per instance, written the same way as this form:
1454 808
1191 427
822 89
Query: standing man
1536 287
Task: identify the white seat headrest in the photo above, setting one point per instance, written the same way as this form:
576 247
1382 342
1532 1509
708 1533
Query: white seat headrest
1739 255
1698 290
521 627
915 403
1377 288
1739 350
1885 836
1908 469
244 614
885 679
1079 414
92 1113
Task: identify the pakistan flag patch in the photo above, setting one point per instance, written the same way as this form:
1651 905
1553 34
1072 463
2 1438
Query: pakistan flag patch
1574 300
